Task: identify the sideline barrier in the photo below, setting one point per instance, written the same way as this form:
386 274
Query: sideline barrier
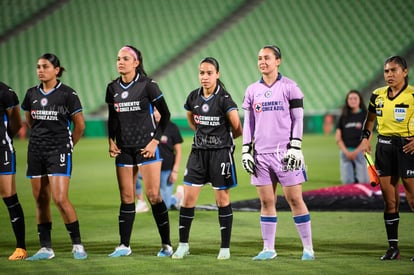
98 128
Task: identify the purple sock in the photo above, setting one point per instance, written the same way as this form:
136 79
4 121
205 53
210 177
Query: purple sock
303 225
268 225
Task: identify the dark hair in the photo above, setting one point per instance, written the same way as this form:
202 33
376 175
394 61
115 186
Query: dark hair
346 110
216 65
275 49
400 61
52 58
140 68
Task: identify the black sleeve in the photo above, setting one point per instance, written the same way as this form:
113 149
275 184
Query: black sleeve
162 107
371 106
112 122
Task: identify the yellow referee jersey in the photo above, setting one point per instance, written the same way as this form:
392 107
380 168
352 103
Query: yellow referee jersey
394 115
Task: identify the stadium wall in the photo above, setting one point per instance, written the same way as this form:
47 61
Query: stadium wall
312 124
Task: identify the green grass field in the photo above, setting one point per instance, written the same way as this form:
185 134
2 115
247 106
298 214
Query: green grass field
345 242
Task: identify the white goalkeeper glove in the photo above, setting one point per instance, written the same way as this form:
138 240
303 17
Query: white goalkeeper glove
247 159
294 157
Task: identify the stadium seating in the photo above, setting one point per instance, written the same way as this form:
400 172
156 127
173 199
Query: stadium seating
328 47
86 36
14 12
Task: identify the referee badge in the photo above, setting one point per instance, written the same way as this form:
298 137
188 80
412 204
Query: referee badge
400 113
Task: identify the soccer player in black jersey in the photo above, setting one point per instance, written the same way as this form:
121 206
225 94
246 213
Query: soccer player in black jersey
50 109
213 115
392 106
10 124
133 137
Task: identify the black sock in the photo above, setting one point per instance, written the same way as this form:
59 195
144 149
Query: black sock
74 233
16 219
160 213
126 221
186 218
391 225
225 216
44 230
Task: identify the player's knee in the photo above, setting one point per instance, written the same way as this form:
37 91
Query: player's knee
154 197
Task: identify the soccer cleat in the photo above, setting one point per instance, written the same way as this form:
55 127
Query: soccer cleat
121 250
44 253
391 254
79 252
308 255
18 254
166 251
412 259
141 206
264 255
183 249
224 254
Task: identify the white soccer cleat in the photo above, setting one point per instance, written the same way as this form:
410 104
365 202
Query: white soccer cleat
183 250
224 254
120 251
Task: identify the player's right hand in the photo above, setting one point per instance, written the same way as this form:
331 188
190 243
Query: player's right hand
247 159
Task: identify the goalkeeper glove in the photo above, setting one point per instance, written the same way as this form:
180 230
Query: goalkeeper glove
247 159
294 157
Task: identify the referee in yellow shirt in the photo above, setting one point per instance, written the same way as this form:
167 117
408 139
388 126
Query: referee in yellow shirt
393 108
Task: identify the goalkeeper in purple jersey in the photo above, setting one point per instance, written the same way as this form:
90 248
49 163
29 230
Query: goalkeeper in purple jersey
271 153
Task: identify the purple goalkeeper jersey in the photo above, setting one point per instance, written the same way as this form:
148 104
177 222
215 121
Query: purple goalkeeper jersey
270 121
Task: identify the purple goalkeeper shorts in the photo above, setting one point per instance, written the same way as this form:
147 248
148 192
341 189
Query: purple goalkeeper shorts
270 169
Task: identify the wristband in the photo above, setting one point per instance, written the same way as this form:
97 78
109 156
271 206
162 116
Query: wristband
366 133
295 143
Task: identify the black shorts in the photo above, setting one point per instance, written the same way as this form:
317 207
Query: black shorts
390 160
211 166
132 157
49 163
7 161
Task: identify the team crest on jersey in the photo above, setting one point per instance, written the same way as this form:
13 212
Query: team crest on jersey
258 107
268 94
164 139
124 94
43 101
400 113
205 107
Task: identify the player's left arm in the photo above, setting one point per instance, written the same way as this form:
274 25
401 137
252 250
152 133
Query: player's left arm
78 127
15 119
234 119
190 120
294 157
296 114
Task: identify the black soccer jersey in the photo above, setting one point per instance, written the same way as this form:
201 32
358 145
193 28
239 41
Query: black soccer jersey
8 99
51 113
351 129
213 130
171 137
131 121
